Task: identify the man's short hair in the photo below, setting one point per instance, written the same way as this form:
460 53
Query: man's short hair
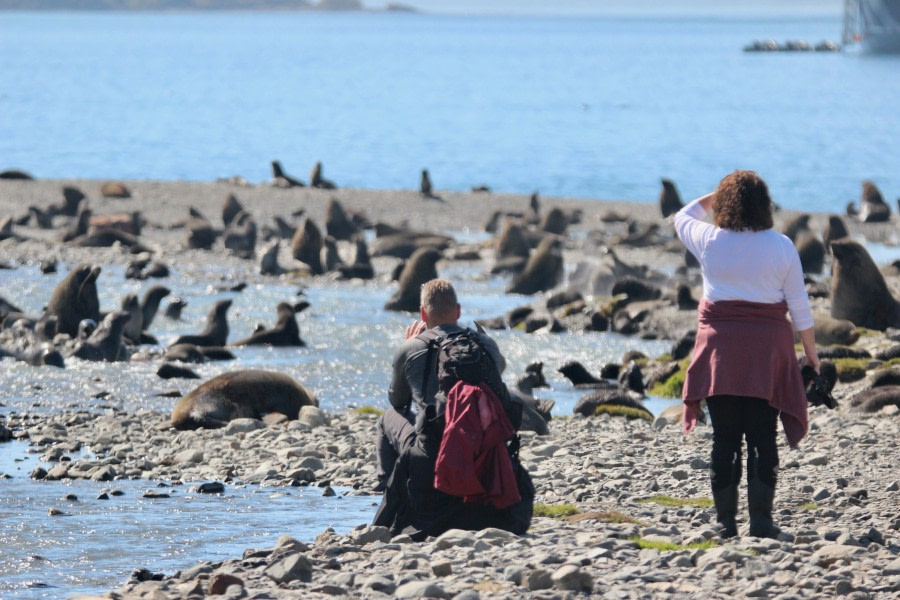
438 297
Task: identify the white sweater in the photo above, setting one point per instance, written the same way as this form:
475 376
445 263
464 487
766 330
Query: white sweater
756 266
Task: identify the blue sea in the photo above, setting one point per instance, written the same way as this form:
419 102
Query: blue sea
597 107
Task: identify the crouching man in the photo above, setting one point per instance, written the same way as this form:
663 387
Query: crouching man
447 450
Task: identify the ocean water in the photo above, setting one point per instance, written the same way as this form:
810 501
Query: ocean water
598 107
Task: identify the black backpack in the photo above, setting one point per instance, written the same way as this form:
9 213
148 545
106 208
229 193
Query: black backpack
461 356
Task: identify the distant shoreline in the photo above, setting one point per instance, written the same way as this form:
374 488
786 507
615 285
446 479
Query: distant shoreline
174 6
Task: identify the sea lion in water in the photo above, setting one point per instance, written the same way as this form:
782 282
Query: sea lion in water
859 292
216 331
241 394
173 310
150 303
872 207
135 323
284 333
421 267
669 199
543 271
105 343
268 260
75 298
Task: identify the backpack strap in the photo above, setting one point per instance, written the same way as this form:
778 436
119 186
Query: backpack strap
432 344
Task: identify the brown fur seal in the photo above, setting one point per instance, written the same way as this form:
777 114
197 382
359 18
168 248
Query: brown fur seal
555 221
512 248
425 187
317 181
81 225
75 298
543 271
284 333
199 231
587 405
833 332
402 244
216 331
361 265
337 224
669 199
105 343
114 189
268 260
794 226
873 400
421 267
836 229
241 394
811 251
307 246
282 179
72 198
859 292
135 323
150 303
872 207
230 209
240 236
173 310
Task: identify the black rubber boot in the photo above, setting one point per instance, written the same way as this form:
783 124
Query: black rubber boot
760 498
726 501
725 475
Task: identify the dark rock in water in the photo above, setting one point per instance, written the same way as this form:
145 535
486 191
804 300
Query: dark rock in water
587 405
833 352
213 487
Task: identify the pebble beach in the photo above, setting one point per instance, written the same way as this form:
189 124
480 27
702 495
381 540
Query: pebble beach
625 508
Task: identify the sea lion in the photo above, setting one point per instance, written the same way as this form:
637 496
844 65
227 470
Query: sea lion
830 331
268 260
421 267
174 308
150 303
282 179
37 357
675 414
16 174
425 187
581 378
186 353
684 298
284 333
794 226
555 221
241 394
639 236
317 181
114 189
81 225
41 218
874 399
337 224
72 199
307 246
859 292
812 252
360 266
587 405
402 244
216 331
669 199
543 271
135 323
106 237
199 231
872 207
170 371
75 298
105 343
635 289
230 209
836 229
329 256
240 236
512 248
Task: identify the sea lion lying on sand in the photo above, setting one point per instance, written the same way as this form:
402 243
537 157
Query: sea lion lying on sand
241 394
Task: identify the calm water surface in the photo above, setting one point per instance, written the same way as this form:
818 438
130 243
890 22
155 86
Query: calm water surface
584 107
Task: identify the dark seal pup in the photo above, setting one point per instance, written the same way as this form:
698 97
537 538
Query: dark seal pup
75 298
216 331
241 394
859 292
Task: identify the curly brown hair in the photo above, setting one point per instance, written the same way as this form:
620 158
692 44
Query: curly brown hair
742 203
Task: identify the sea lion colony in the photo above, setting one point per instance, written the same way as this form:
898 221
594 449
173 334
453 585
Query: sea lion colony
604 250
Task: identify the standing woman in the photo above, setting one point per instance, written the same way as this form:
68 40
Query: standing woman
743 363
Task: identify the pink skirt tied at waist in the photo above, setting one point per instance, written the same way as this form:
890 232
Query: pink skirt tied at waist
746 349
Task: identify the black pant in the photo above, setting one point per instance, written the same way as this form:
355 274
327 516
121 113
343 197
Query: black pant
736 417
396 430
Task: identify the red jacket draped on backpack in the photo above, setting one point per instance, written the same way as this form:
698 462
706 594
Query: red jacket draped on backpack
473 461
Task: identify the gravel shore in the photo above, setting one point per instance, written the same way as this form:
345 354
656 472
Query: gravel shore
836 500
